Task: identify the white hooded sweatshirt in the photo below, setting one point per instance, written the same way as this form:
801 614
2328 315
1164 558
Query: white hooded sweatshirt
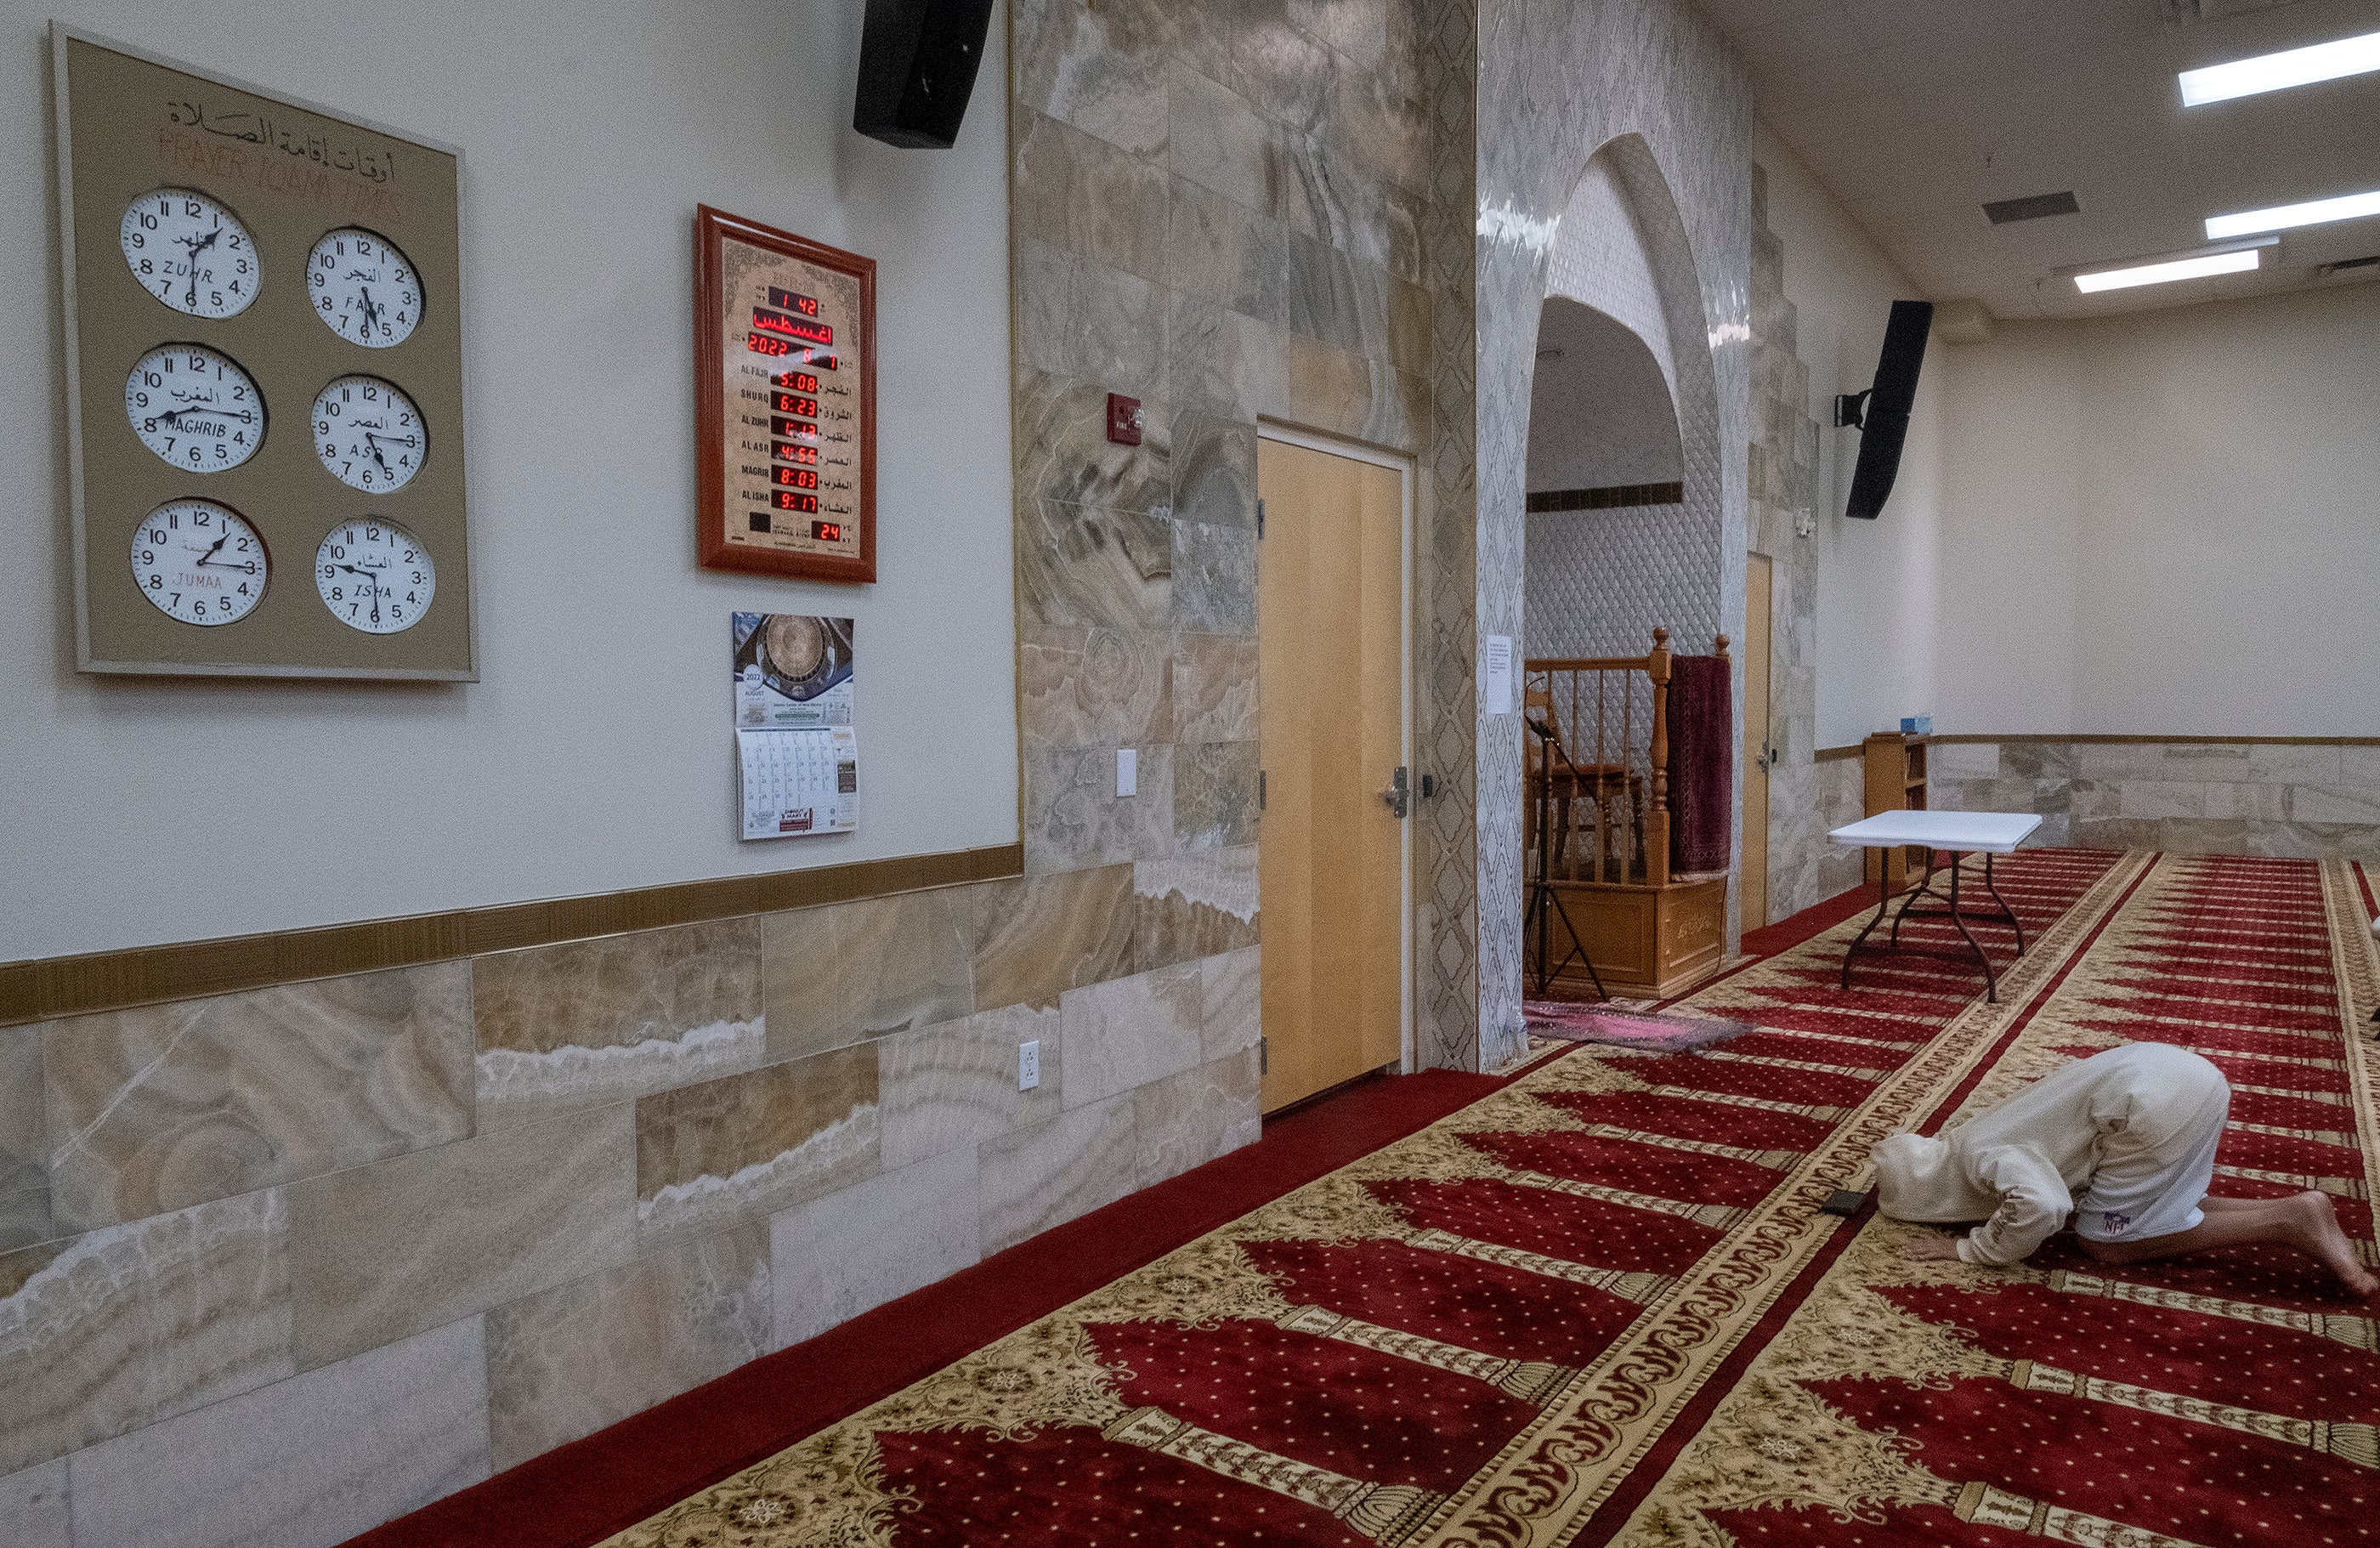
2019 1166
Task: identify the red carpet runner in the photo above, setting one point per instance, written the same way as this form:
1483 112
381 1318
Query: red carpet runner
1596 1306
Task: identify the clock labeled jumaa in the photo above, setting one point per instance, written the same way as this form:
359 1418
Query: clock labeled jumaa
786 382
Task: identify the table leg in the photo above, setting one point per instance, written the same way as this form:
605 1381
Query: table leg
1883 905
2014 923
1991 978
1923 889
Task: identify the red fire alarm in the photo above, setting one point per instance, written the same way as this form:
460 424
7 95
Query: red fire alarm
1123 419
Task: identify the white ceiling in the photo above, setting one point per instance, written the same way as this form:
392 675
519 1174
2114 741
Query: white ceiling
1915 113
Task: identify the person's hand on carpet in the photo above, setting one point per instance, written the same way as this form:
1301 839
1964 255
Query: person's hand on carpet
1935 1250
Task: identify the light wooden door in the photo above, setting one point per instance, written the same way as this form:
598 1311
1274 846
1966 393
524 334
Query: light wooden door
1331 681
1758 755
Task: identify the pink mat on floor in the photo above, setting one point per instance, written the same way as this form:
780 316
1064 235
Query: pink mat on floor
1628 1029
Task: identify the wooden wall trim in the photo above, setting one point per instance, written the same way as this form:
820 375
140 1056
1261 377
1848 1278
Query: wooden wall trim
1828 754
42 988
2180 741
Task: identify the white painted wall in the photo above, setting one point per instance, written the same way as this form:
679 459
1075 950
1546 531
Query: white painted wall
1877 580
2200 485
595 752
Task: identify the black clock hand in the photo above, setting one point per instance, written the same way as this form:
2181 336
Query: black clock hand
372 312
372 442
215 549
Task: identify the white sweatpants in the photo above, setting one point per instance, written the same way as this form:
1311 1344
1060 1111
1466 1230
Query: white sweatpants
2140 1191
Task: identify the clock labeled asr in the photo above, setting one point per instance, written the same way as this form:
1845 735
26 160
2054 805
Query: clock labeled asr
374 575
195 408
199 562
363 288
368 435
191 252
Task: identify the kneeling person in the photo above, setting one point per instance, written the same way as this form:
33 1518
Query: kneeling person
2124 1141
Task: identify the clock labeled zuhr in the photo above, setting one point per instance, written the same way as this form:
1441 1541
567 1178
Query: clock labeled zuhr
374 575
199 562
368 435
191 252
195 408
363 288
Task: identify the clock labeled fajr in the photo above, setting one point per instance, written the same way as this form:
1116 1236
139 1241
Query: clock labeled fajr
191 252
374 575
199 562
195 408
368 435
363 287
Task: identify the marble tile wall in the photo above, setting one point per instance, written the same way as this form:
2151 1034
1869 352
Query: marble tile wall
2182 797
318 1254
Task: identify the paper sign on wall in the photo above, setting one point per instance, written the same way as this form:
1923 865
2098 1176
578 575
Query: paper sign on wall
798 756
1499 674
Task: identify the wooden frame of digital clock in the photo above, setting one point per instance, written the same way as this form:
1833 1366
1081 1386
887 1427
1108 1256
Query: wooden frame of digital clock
784 416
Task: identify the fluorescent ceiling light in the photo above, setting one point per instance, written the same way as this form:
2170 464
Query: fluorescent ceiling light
2345 207
2274 72
2158 274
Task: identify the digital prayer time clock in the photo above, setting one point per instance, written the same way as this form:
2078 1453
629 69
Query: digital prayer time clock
785 404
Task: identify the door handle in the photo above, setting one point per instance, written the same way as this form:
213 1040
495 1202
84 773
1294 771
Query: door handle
1397 795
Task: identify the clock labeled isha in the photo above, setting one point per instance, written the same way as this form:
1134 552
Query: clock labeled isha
374 575
785 402
191 252
199 562
363 288
368 434
195 408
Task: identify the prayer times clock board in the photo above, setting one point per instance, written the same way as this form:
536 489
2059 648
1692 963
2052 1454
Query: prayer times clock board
785 402
265 386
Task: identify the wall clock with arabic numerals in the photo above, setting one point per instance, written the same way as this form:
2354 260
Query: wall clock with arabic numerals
263 303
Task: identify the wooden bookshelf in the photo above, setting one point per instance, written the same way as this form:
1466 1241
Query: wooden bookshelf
1896 782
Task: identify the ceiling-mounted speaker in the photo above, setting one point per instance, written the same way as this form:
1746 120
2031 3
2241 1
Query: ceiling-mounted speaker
1881 413
917 61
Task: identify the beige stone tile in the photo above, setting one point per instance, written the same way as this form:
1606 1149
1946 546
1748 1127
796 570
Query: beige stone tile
588 1022
2207 761
1214 578
2120 760
1129 1031
566 1361
1214 794
153 1109
749 1145
1064 456
945 1088
2359 768
2161 798
851 971
24 1172
1039 936
1093 687
1079 192
2309 803
379 1252
1963 760
1231 998
125 1325
1215 687
1087 566
2265 802
854 1249
305 1463
1188 1119
1074 817
33 1506
2287 763
1047 1175
1194 904
1215 138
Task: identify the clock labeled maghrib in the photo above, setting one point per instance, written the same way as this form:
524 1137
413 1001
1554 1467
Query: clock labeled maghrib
786 333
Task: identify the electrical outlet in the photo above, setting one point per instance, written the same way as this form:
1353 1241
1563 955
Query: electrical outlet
1029 1064
1127 772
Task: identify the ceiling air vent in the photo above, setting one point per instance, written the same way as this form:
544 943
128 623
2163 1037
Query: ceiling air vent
2038 206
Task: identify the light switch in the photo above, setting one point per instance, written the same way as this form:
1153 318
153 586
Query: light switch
1127 772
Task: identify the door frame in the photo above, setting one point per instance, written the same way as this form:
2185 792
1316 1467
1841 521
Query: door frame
1403 466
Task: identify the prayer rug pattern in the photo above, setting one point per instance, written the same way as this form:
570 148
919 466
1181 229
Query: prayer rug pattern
1568 1022
1598 1305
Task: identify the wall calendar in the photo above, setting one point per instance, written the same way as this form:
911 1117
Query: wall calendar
263 306
785 403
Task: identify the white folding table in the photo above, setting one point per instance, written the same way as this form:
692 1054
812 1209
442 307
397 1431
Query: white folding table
1960 833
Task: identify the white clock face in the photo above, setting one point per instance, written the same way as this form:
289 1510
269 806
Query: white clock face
374 575
191 253
199 562
195 408
363 288
368 435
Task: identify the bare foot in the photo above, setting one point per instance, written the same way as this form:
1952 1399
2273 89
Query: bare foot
2316 1230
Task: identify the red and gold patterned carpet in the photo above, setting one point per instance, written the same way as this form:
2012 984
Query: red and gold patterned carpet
1600 1305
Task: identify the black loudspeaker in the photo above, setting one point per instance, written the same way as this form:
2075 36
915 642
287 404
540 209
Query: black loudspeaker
918 60
1881 413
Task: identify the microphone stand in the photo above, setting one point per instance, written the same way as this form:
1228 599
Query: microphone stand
1544 901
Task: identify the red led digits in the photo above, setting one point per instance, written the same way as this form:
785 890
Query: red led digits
795 478
762 345
782 451
793 300
786 500
786 403
827 532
